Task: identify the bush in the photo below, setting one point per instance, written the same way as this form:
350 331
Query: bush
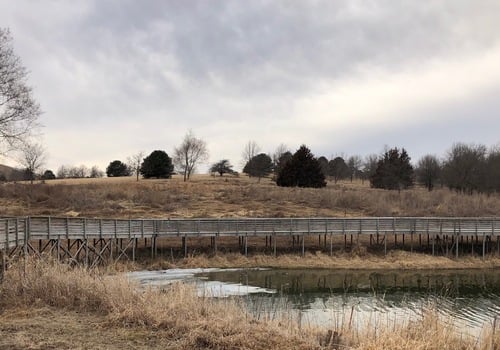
158 164
117 168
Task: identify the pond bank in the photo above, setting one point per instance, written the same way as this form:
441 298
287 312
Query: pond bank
395 260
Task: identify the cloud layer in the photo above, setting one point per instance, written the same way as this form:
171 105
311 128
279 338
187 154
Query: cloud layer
115 77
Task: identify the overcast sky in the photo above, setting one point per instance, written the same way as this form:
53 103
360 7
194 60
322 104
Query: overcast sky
343 77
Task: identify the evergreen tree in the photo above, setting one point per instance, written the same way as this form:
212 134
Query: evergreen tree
117 168
158 164
48 175
302 170
259 166
394 171
281 162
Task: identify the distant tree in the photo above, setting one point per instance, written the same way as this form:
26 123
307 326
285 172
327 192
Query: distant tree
190 153
394 171
303 170
134 163
32 157
251 150
63 172
323 162
464 169
95 172
428 171
492 181
281 162
338 169
259 166
354 164
78 172
369 166
280 150
158 164
18 109
48 175
117 168
222 167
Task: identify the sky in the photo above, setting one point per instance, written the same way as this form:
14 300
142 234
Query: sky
343 77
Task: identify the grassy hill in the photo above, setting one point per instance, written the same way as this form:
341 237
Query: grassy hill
206 196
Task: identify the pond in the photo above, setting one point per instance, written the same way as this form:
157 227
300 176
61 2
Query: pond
353 298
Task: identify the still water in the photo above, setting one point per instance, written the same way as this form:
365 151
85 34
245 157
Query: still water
340 298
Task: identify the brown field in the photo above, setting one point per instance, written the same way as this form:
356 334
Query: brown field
207 196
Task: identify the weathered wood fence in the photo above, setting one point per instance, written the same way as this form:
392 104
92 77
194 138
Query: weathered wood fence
97 240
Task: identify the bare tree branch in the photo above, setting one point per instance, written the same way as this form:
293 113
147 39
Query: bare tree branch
32 158
190 153
134 162
19 112
251 150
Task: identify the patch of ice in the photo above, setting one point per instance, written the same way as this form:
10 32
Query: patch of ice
163 278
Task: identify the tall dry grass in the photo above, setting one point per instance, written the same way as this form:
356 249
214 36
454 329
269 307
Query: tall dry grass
202 323
190 322
206 196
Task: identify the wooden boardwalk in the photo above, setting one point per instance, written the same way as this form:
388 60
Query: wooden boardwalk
97 240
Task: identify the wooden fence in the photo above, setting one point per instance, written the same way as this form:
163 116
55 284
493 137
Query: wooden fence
96 237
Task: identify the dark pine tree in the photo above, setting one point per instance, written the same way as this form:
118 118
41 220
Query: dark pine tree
158 164
117 168
394 171
259 166
302 170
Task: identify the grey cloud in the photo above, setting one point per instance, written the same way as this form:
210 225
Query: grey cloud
283 48
239 64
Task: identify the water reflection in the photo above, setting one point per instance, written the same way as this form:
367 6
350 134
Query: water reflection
333 298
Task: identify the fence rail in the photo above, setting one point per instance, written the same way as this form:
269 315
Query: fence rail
22 232
14 231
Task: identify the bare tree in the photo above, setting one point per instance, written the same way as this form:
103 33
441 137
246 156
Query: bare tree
369 166
191 152
18 110
280 150
78 172
251 150
338 169
134 163
95 172
354 164
63 172
464 167
32 158
428 171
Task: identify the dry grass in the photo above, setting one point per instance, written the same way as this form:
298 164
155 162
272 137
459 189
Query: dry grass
186 321
395 260
206 196
48 305
429 332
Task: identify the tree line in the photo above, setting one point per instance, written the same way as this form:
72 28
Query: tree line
466 168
